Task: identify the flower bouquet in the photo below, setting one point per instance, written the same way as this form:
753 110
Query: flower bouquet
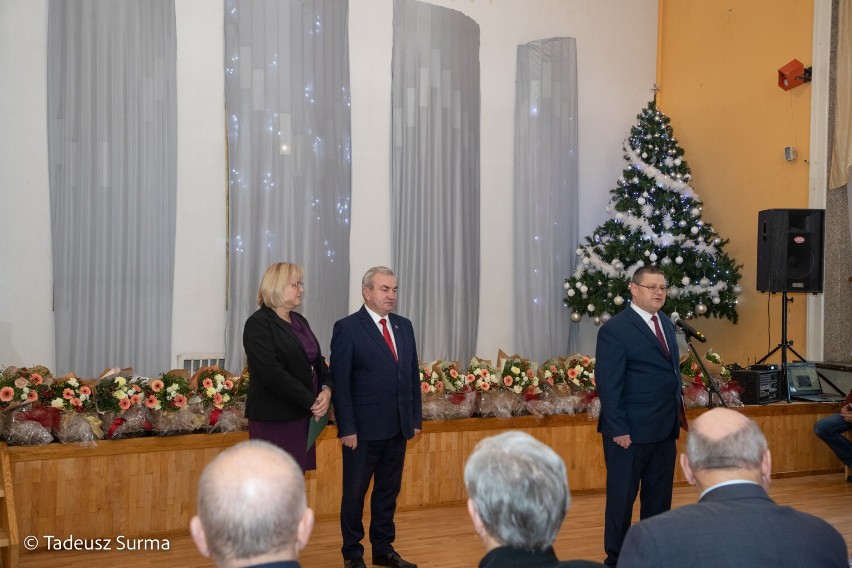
169 397
23 421
515 375
459 392
432 392
580 375
74 400
217 390
486 383
696 385
120 398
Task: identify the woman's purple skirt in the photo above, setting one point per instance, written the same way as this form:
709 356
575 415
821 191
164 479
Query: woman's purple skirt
289 435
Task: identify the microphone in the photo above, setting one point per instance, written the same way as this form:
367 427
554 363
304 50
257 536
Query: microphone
687 329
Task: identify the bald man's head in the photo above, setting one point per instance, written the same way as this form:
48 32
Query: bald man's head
725 439
251 501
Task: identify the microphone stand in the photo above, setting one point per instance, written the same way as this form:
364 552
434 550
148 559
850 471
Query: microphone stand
713 386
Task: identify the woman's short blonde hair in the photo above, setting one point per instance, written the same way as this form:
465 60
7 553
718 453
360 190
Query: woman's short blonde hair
277 277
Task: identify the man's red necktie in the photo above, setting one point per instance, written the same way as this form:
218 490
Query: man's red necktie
388 339
660 334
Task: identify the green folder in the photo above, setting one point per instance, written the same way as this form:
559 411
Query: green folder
316 428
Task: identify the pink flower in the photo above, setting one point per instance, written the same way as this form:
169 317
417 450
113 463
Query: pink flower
136 388
424 387
217 398
124 403
550 381
134 399
157 385
470 378
21 382
32 396
229 384
180 401
584 361
36 379
572 373
151 401
67 394
553 369
529 373
454 373
76 402
207 383
507 380
485 386
439 386
85 390
7 394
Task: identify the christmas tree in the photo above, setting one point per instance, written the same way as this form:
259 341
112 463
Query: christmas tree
655 218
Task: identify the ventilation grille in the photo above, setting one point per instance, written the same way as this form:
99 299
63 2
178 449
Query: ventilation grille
191 362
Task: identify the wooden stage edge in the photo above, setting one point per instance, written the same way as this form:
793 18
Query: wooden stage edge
146 487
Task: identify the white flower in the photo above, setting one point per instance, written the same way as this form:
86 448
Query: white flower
517 389
57 402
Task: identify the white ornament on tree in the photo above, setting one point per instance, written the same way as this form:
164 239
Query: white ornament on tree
576 317
700 309
618 300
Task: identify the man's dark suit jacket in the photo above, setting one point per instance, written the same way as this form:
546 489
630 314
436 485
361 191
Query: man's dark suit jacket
733 525
507 557
374 396
280 387
639 386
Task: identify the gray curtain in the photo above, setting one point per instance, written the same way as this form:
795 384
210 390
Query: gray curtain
435 176
112 156
289 157
546 196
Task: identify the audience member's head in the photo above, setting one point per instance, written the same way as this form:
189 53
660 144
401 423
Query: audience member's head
251 507
724 445
518 491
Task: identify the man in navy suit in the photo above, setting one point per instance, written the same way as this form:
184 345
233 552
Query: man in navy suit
734 523
638 381
377 408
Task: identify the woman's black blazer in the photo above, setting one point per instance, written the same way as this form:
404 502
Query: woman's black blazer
280 373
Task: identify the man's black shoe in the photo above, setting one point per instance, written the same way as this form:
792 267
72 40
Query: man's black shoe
393 560
354 563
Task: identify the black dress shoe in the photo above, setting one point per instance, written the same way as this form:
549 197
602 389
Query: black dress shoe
393 560
354 563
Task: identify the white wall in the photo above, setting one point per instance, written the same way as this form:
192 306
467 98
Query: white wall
616 43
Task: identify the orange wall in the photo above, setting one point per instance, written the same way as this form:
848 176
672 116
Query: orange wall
717 71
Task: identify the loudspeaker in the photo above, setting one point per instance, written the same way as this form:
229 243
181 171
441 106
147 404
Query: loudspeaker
790 250
760 387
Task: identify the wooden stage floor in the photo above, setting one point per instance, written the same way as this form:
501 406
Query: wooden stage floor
442 537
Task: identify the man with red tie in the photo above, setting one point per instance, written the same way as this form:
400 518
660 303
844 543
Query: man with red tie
378 409
638 380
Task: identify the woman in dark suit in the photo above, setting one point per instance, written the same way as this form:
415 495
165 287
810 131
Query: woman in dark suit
290 383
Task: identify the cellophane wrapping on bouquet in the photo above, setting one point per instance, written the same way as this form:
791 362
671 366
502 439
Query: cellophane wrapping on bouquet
448 405
592 405
32 426
134 422
176 422
565 400
499 403
217 390
79 427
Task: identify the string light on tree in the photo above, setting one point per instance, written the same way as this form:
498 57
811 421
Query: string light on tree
654 217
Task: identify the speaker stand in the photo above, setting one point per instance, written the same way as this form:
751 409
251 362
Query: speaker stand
784 346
